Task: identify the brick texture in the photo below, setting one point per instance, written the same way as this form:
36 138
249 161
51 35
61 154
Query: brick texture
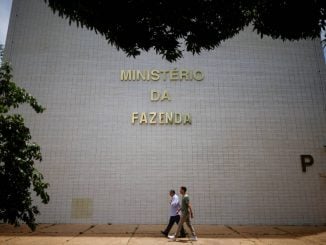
261 105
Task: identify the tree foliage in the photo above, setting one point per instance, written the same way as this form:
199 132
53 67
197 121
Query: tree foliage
140 25
1 52
18 175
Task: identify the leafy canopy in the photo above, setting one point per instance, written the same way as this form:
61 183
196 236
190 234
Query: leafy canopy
18 174
139 25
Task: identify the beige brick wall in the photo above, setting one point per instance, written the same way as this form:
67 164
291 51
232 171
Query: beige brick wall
260 106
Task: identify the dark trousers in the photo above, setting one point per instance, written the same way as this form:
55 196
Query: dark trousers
174 219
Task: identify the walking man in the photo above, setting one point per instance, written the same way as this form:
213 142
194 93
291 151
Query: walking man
174 214
186 214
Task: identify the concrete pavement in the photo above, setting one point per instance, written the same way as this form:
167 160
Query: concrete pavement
82 234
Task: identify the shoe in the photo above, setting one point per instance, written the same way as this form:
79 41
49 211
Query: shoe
193 238
172 237
164 234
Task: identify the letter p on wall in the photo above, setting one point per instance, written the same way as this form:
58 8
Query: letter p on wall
306 160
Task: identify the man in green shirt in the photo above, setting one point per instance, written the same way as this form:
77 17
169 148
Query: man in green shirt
186 214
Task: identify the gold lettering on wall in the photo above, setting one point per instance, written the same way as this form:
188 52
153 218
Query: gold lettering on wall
161 75
161 118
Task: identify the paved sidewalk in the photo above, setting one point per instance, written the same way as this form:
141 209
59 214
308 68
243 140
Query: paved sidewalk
73 234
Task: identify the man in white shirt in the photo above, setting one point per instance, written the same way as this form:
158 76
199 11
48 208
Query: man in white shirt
174 215
186 215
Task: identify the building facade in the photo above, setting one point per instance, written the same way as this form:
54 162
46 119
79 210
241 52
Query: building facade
118 133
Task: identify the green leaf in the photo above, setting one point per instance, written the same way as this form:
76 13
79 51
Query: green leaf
18 175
